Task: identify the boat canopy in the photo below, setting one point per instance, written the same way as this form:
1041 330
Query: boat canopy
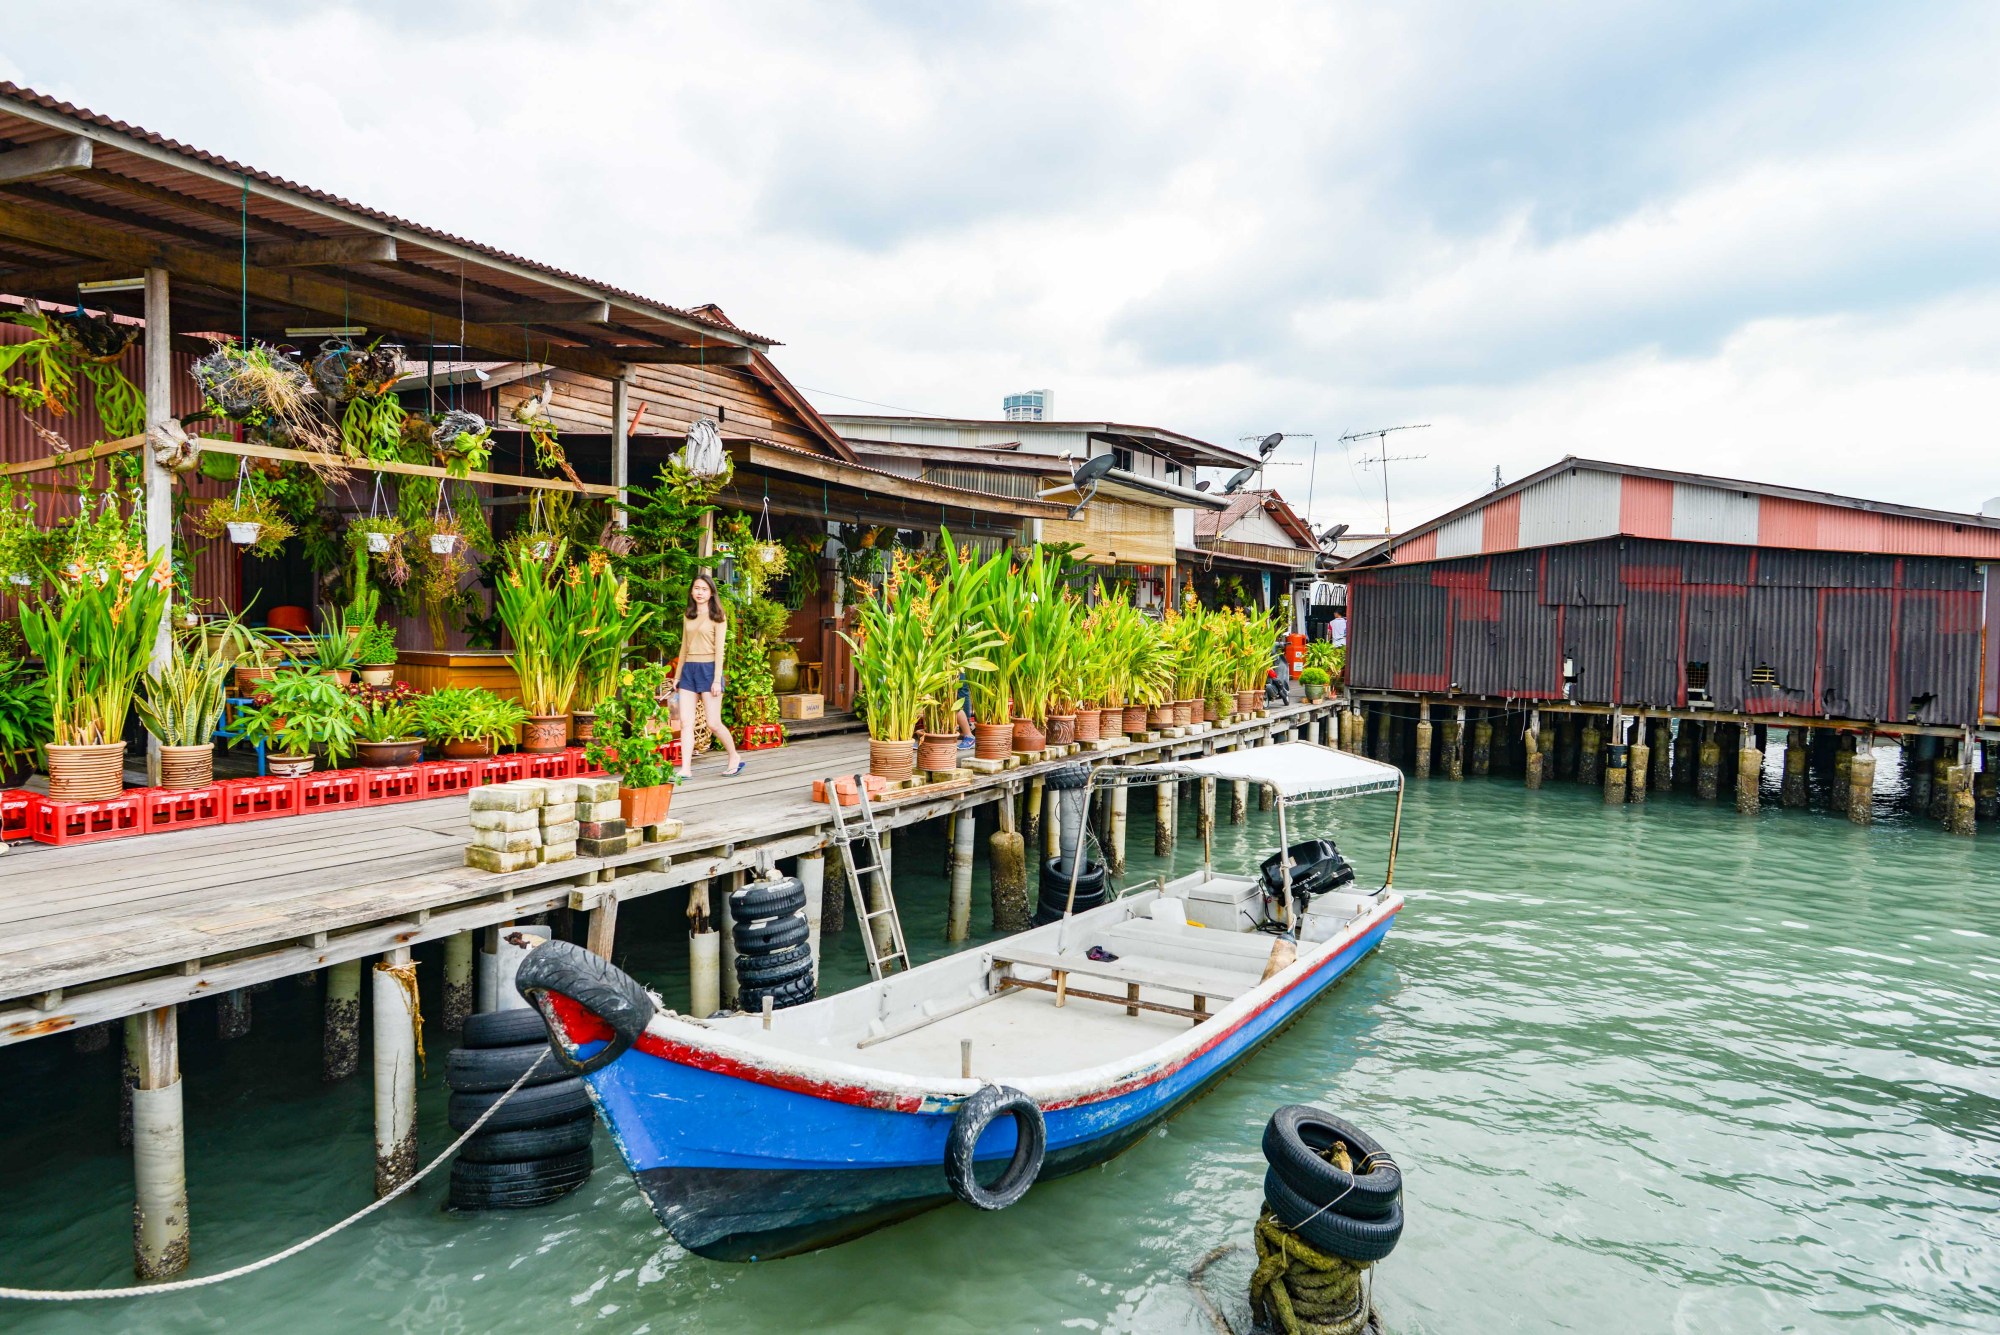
1299 771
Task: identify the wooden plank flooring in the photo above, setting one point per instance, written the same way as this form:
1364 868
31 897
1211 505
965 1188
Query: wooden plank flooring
184 905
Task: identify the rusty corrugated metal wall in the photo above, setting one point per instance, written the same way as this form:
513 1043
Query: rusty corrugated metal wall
1829 634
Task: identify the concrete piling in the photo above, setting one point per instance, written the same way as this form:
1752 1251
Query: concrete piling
1204 817
1454 747
1006 852
1385 737
1639 765
958 922
1662 767
1163 818
1793 792
1482 747
1960 806
1565 766
1423 765
1919 756
1843 772
160 1224
704 954
340 1049
1031 811
1051 822
1861 782
811 871
1749 773
880 892
1617 775
833 903
232 1014
395 1053
1239 801
1534 759
457 981
128 1078
1708 767
1590 754
1942 764
1986 789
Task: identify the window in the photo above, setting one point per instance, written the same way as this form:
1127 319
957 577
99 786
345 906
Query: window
1121 458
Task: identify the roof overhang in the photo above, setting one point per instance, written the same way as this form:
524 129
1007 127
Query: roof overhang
925 504
1188 451
1120 484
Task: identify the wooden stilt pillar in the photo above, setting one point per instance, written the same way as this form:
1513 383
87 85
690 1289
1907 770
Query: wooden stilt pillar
457 981
958 925
1662 768
811 872
340 1049
395 1054
1051 823
1534 757
1861 781
1454 762
880 891
1482 747
603 929
160 1224
704 954
1204 820
128 1077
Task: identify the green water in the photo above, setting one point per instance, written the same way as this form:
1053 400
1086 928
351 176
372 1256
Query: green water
1664 1069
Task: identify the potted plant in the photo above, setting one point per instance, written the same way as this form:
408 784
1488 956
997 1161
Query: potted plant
375 533
386 731
182 707
614 620
468 722
1042 644
298 710
94 639
25 725
910 646
550 618
994 596
375 653
334 647
1314 680
626 742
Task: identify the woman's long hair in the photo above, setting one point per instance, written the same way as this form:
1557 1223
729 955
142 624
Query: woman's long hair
714 600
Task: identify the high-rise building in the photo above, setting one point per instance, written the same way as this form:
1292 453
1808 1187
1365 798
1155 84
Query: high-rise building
1033 405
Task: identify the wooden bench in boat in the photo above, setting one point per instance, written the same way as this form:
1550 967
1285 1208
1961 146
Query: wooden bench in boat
1133 973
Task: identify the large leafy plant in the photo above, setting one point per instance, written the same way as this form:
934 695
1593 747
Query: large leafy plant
911 643
605 601
95 637
468 714
25 723
550 615
383 713
300 710
631 725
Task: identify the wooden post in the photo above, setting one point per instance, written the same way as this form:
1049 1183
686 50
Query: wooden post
1163 817
457 981
1031 810
1007 854
395 1034
128 1077
812 878
159 1149
958 925
340 1049
1120 810
1590 755
725 926
158 387
621 464
704 955
1239 801
1861 781
603 928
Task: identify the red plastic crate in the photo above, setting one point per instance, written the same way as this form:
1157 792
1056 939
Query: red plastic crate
580 766
259 799
502 769
443 778
547 764
182 808
399 783
82 822
14 806
331 790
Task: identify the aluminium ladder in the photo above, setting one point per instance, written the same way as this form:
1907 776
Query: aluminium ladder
896 957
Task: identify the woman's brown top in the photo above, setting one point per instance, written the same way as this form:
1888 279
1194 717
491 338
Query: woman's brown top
701 640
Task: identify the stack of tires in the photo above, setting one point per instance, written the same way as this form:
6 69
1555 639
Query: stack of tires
537 1147
773 952
1356 1213
1054 897
1071 784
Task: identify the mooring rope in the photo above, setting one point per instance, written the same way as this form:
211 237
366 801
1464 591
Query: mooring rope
204 1281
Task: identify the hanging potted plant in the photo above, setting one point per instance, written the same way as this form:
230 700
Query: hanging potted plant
24 545
298 711
182 707
631 723
249 519
468 722
375 654
386 730
94 638
463 442
550 619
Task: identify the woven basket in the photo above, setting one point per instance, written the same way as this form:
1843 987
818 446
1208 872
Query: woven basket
86 773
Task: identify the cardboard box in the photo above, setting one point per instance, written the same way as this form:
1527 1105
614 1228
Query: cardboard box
801 705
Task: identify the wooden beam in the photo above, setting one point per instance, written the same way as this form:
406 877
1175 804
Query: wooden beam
61 278
248 451
335 250
68 154
635 355
48 463
42 227
545 312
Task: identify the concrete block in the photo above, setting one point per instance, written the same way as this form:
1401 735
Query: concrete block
598 829
492 859
606 847
564 852
564 832
978 766
612 810
507 841
506 820
596 790
556 792
664 831
562 814
522 795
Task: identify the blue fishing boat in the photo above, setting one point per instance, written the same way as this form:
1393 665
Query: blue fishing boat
975 1076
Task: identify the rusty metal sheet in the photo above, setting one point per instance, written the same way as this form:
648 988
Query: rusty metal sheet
1854 665
1650 668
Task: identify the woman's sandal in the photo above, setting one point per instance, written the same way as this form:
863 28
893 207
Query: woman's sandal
734 770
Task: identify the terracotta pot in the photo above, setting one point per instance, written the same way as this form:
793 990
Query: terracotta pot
1028 735
1197 710
1086 725
1062 729
582 725
1159 716
937 751
377 674
388 755
645 806
891 760
187 766
248 675
1183 713
1111 722
992 741
288 767
466 750
1135 719
1246 702
545 732
86 773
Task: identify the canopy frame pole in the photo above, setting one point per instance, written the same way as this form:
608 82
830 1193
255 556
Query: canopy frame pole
1285 868
1395 834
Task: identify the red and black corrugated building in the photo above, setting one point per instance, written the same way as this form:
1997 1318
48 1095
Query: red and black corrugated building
1661 590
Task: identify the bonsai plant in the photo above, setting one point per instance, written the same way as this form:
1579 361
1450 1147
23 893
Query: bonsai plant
182 707
94 638
1314 679
551 620
386 730
630 724
299 710
375 653
468 722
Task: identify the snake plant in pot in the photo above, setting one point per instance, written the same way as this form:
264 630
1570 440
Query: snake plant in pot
182 707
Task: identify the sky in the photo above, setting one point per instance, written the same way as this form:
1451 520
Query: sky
1757 241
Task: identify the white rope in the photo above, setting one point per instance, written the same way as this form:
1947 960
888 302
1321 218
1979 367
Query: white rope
176 1286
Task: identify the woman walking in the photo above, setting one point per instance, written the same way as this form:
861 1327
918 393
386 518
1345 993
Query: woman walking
698 672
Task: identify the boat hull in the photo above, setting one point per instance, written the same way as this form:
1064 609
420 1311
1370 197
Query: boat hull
739 1166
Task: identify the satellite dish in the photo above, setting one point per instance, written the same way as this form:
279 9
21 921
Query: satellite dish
1236 482
1333 534
1269 445
1202 485
1086 478
1991 509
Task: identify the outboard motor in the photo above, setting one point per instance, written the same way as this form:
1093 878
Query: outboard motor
1317 867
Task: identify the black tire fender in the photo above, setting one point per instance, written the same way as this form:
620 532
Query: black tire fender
784 961
768 899
1031 1143
543 1105
481 1069
1334 1234
1292 1139
597 985
504 1029
752 972
530 1142
767 938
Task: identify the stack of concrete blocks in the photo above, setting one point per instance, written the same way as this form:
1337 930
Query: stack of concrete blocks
601 828
523 824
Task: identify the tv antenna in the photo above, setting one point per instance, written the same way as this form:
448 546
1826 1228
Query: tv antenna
1383 458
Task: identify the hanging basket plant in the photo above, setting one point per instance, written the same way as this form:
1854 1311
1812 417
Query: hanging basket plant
462 441
343 371
249 519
